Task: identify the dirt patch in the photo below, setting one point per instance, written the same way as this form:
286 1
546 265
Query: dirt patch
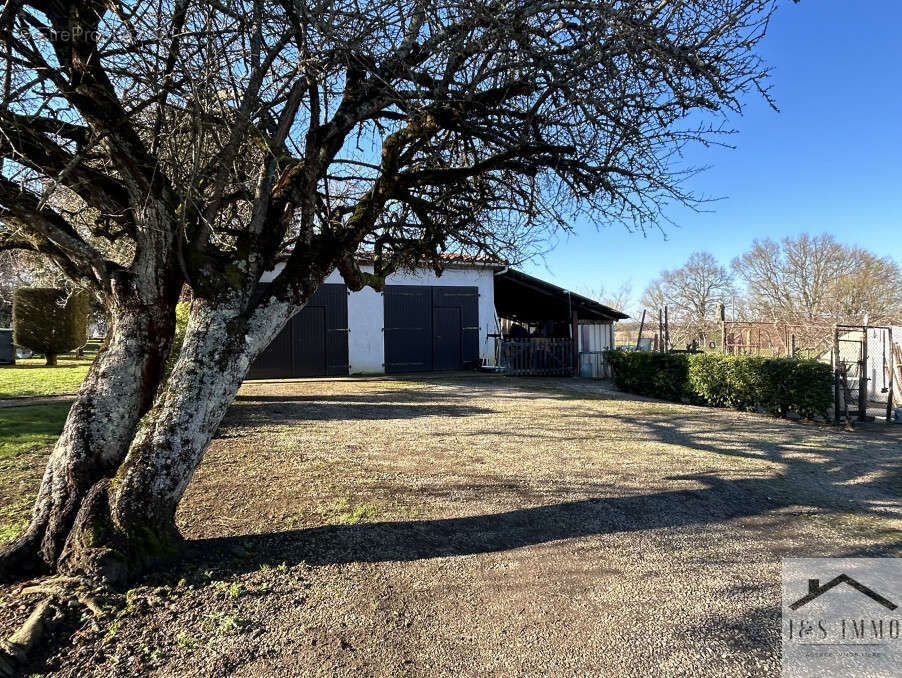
490 526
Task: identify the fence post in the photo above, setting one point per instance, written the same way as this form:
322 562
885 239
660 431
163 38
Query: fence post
666 330
836 368
836 356
641 327
721 311
863 378
660 330
892 375
836 395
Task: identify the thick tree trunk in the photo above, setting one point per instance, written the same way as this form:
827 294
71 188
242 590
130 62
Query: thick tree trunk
131 524
117 391
50 359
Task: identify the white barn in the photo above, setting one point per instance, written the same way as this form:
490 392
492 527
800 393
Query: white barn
422 322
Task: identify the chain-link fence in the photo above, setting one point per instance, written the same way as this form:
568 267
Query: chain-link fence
778 340
867 360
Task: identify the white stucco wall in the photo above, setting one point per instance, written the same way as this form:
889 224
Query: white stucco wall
366 312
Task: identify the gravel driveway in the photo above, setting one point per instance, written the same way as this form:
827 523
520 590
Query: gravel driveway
482 526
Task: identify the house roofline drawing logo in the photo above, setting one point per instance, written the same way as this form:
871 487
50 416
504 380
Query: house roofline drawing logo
815 590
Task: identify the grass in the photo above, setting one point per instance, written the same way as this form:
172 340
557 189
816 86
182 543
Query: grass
30 377
23 429
26 435
22 381
14 519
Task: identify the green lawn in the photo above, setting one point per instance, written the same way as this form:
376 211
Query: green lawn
23 429
26 436
31 378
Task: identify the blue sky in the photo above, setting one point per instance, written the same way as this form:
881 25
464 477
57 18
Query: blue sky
829 161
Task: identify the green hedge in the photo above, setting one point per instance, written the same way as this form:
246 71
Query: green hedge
659 375
725 381
775 385
182 311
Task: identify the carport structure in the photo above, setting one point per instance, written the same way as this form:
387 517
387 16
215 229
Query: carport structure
547 330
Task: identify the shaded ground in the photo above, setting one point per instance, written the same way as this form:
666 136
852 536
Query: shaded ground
491 526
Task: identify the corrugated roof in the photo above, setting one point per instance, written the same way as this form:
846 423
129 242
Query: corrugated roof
523 297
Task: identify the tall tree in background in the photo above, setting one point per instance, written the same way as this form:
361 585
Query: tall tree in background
151 145
13 274
619 298
816 280
692 294
870 289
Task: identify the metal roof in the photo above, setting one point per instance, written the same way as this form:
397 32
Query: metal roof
522 297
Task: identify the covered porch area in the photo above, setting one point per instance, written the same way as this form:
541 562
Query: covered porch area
546 330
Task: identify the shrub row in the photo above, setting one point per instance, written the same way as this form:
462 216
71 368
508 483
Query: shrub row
658 375
775 385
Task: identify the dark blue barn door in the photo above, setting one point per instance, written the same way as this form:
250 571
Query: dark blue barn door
431 328
314 343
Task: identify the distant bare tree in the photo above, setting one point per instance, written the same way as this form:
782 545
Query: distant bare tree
620 298
12 276
816 280
871 288
692 294
22 269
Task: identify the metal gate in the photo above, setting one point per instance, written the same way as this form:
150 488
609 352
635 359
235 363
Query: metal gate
537 357
850 369
867 363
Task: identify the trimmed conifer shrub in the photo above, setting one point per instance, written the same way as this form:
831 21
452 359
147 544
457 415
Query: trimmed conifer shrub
49 320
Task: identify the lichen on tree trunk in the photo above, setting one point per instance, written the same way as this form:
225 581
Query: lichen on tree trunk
129 522
118 389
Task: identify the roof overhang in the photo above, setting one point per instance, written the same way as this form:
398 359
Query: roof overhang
521 297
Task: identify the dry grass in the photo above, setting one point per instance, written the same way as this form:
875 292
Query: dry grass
489 526
444 447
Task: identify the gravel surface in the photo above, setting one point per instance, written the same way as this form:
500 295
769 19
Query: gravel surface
483 526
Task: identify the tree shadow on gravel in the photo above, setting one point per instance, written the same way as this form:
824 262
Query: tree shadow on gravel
819 466
377 542
284 409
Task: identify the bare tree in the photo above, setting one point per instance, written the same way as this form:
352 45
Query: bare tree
692 294
202 143
869 290
620 298
816 280
13 274
20 268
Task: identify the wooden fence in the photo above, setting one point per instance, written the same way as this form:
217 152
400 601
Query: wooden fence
537 357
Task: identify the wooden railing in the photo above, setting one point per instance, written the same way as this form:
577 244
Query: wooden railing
537 357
